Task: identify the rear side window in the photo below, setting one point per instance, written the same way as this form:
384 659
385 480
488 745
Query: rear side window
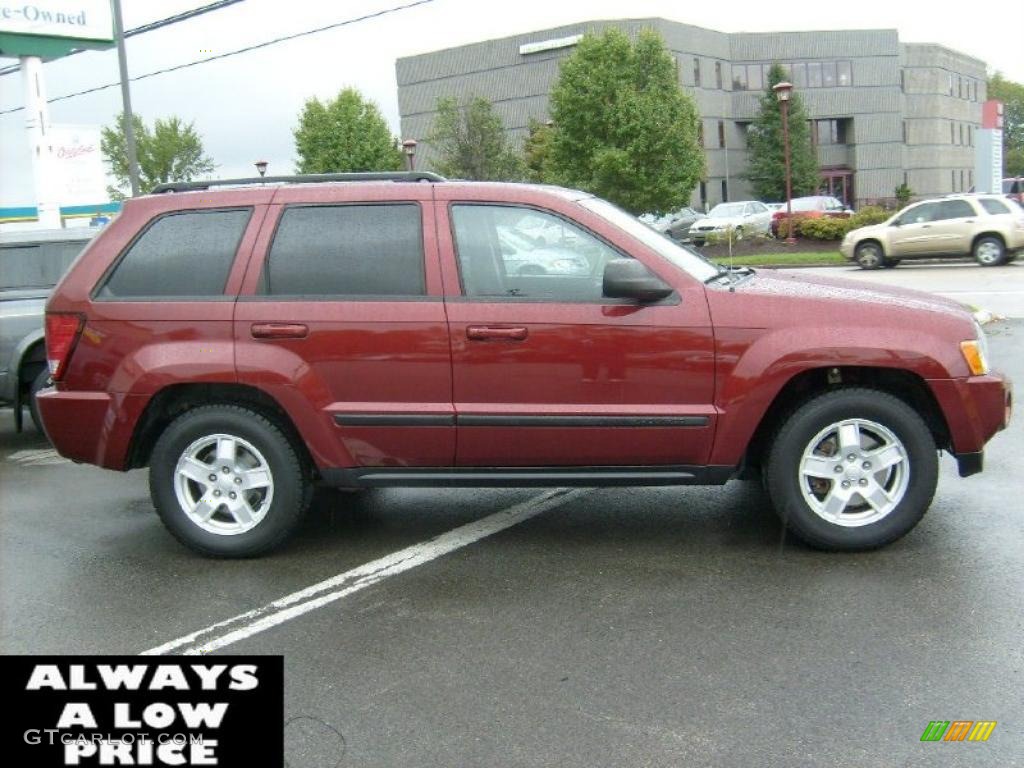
993 206
955 209
347 250
182 255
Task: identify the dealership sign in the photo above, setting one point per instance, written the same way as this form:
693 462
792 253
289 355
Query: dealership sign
51 28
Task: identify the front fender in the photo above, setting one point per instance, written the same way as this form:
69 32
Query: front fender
754 365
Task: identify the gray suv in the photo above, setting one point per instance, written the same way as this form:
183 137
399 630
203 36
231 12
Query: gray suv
31 263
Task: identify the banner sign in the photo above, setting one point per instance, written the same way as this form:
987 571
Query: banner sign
78 19
130 710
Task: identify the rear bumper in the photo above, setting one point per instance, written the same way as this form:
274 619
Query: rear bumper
91 427
975 409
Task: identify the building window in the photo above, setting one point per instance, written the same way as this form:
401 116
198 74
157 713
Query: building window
799 70
961 133
814 74
952 83
754 77
844 73
903 81
721 134
704 195
824 132
952 132
828 74
725 191
906 139
718 75
700 133
952 180
696 72
739 78
962 187
970 178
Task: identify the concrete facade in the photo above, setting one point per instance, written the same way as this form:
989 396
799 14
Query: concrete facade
889 112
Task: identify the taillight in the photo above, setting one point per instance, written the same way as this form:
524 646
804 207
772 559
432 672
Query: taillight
62 331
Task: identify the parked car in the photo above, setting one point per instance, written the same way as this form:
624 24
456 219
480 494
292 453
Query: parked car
676 224
31 263
987 227
248 343
813 207
1013 188
741 218
521 255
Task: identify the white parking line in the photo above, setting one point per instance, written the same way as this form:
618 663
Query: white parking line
245 625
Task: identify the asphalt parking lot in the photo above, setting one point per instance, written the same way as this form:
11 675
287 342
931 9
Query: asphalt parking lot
616 627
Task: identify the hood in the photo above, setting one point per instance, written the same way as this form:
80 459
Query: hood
777 298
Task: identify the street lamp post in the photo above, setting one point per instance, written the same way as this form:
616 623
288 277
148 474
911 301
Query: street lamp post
261 167
409 148
782 93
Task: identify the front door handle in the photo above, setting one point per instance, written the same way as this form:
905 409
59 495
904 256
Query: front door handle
487 333
279 331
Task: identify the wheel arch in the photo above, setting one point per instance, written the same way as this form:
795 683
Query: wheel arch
980 235
174 400
905 385
873 241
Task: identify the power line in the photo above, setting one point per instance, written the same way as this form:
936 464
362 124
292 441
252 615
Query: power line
246 49
183 16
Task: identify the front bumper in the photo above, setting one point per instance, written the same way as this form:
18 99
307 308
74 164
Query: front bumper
975 408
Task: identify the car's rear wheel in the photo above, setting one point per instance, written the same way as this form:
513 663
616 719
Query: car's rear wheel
852 469
989 251
227 482
869 255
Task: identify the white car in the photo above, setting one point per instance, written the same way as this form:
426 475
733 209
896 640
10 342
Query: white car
743 218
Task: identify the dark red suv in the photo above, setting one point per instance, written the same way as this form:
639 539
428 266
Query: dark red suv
250 342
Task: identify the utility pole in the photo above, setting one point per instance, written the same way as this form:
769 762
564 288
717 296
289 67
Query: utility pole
126 99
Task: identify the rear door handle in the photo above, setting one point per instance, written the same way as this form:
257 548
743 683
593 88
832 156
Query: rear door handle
487 333
279 331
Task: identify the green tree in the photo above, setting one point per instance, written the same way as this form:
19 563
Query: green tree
171 151
344 134
538 151
1012 96
767 165
470 142
624 129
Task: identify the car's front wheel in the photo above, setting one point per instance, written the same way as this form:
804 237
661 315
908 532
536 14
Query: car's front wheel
869 255
852 469
227 481
989 251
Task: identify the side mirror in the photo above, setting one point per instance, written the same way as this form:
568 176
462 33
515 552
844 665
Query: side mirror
629 279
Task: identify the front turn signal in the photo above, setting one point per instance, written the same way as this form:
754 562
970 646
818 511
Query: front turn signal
974 354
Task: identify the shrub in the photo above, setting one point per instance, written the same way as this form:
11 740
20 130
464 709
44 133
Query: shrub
871 214
824 228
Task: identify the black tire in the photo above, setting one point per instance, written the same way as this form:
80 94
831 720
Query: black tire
869 255
891 263
989 251
785 483
291 488
40 381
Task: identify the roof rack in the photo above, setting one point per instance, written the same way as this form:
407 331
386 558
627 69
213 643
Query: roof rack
309 178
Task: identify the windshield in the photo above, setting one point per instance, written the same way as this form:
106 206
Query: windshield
726 210
689 261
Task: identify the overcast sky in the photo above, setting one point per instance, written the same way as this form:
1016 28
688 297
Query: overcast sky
245 107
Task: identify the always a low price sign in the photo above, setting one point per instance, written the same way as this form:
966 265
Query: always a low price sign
124 710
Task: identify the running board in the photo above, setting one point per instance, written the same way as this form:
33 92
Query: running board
524 477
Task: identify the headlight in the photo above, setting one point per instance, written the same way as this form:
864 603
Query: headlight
975 352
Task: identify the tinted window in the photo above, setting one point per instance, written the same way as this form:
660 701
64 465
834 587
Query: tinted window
955 209
993 206
183 254
506 251
37 265
347 250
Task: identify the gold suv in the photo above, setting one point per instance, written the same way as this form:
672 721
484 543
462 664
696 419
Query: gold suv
988 227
